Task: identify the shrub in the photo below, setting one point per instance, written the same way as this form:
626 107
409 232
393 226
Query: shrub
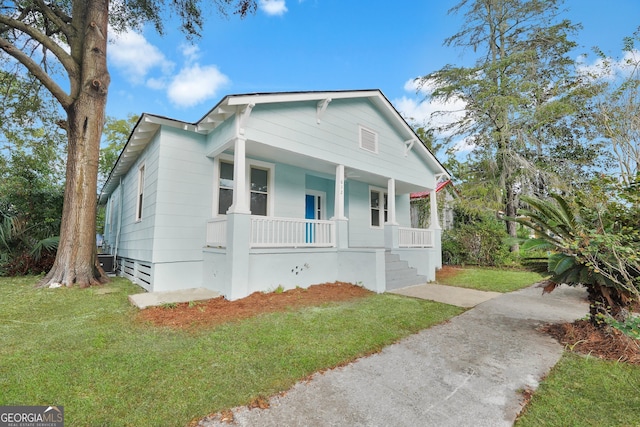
476 239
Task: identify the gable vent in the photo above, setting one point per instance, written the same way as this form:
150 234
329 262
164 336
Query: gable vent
368 140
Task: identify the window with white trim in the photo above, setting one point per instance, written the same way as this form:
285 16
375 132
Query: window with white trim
368 140
259 180
225 187
378 206
140 194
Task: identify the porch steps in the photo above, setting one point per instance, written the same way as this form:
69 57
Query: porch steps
398 274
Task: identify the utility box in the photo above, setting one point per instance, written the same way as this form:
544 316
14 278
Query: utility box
107 262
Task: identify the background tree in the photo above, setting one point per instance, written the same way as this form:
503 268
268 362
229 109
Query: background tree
70 37
115 135
523 102
618 109
31 178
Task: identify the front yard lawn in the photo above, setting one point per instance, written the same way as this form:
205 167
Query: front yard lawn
487 279
586 391
86 350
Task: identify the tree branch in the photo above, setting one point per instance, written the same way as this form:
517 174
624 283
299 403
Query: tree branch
65 59
55 15
64 99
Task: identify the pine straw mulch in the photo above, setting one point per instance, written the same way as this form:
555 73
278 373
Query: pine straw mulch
605 343
216 311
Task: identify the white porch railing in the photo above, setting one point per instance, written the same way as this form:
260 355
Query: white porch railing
217 232
415 237
274 232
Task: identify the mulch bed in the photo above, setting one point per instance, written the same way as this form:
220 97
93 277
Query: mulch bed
219 310
606 343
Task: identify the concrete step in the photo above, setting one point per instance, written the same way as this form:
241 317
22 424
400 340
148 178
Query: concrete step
398 283
398 274
150 299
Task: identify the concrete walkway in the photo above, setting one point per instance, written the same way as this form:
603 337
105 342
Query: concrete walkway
469 371
461 297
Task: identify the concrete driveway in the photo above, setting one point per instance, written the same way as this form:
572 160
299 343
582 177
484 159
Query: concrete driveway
469 371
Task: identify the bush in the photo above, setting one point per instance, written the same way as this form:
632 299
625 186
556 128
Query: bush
22 252
476 239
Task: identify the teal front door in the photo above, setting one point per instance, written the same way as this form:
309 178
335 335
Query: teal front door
309 213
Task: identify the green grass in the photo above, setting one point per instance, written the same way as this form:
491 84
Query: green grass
82 349
491 279
584 391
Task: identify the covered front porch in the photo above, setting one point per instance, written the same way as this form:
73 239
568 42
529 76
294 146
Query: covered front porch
248 253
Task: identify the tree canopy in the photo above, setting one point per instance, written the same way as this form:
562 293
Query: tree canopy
524 105
47 40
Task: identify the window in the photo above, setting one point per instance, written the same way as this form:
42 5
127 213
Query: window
368 140
378 203
259 191
140 196
225 192
259 182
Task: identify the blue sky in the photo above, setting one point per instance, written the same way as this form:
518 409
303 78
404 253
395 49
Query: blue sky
298 45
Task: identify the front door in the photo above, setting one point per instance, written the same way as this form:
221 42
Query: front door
313 209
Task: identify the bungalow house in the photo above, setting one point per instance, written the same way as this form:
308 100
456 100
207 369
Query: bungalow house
273 189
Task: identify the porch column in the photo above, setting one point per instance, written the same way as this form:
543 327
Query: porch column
435 225
239 178
238 245
339 197
391 238
391 201
342 228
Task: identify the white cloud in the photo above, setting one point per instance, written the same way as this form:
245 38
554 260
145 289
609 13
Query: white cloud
273 7
195 84
608 68
132 54
158 83
420 110
139 61
190 52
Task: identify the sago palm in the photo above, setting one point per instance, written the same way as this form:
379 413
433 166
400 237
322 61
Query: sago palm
585 253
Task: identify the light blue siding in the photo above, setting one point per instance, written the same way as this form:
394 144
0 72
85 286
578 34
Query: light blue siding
289 192
136 237
185 185
293 127
361 234
403 210
220 136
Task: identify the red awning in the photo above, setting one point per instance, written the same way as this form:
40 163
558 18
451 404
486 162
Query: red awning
425 194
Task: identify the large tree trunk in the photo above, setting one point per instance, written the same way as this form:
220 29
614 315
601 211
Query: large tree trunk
75 260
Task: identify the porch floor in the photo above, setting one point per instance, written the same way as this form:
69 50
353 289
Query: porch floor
150 299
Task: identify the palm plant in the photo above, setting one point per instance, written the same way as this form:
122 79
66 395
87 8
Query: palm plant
20 247
601 252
